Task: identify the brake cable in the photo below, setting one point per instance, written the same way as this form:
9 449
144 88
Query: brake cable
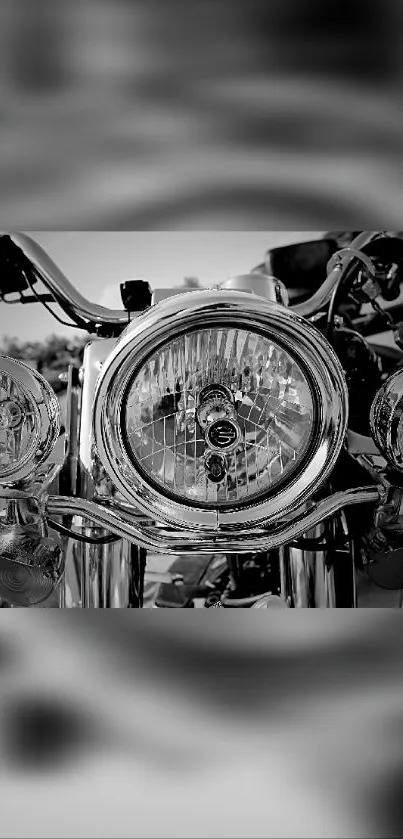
79 537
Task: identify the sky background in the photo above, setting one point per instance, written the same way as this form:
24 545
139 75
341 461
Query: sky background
96 263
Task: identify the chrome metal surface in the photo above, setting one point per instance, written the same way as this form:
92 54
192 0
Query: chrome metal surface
71 301
97 576
92 477
29 421
72 423
323 295
265 285
173 541
194 311
107 575
386 419
311 578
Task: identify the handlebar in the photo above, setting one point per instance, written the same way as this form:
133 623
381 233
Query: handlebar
98 319
75 305
343 260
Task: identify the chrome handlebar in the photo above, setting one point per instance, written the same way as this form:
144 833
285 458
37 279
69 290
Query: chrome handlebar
172 541
71 301
92 316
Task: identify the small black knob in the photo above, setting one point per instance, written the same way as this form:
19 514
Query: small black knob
216 468
136 295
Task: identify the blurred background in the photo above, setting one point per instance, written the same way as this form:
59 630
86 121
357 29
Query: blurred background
201 115
155 725
160 725
209 114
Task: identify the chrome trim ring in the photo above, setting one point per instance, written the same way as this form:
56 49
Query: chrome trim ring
386 419
176 541
46 410
265 285
192 311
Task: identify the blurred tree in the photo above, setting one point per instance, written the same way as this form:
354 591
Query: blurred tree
192 282
50 357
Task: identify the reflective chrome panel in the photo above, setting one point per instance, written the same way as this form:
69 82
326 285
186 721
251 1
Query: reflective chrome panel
312 584
264 285
102 576
95 355
97 576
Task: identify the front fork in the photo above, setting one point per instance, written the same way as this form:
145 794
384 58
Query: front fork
109 576
317 572
320 579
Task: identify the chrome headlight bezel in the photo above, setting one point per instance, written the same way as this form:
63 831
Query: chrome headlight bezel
386 419
46 409
191 311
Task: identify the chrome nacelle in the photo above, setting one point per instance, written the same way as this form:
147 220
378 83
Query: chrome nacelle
116 509
190 312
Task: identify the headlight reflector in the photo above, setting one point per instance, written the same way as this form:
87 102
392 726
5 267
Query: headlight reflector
226 390
29 420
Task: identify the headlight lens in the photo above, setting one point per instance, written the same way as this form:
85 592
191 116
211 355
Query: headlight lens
219 409
256 414
386 419
19 423
29 420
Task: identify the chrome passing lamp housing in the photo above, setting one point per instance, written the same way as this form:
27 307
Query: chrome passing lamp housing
219 410
29 421
386 420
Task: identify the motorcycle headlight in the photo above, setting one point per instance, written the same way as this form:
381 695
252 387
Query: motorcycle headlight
386 419
29 420
219 408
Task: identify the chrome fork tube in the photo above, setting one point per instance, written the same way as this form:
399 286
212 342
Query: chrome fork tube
110 576
103 576
311 583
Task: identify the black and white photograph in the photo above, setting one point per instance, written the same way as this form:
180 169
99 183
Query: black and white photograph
201 408
202 420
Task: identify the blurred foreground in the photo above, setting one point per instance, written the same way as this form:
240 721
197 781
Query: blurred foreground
200 115
164 726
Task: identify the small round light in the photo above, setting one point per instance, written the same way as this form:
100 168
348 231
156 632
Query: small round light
29 420
386 419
